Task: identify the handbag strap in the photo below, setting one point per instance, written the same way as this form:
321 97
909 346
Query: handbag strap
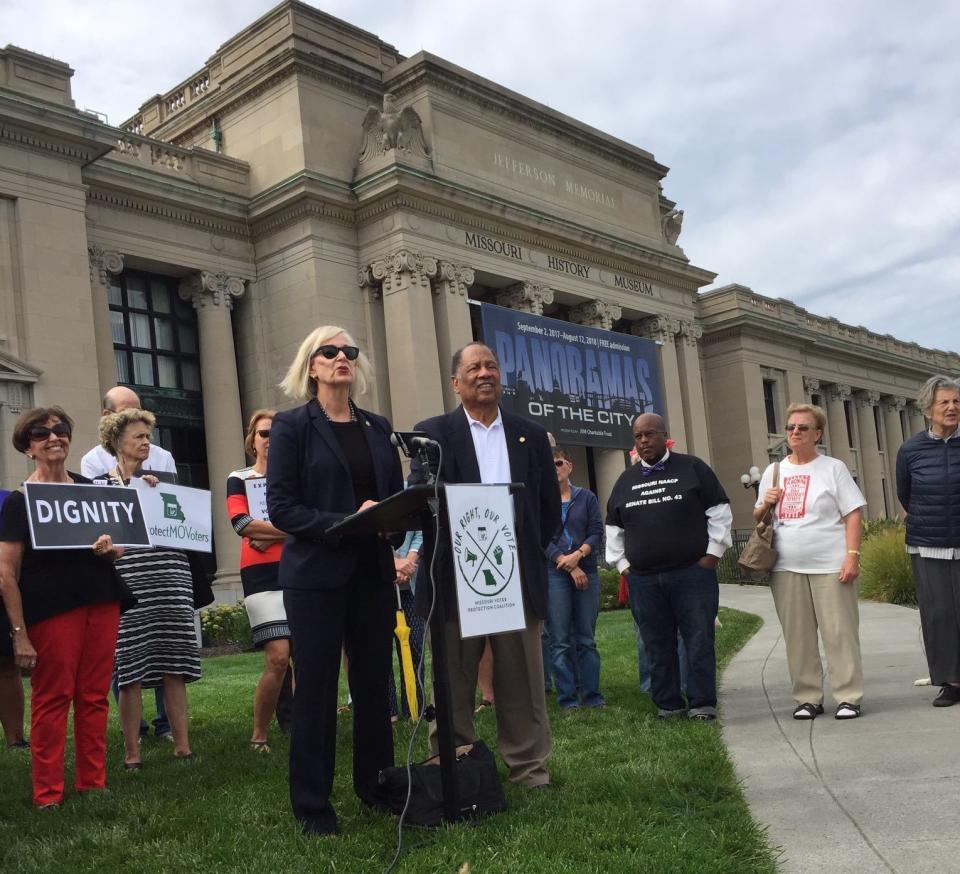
765 518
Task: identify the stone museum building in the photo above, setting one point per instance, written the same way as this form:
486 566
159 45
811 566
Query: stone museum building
309 174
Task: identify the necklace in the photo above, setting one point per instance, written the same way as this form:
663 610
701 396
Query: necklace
351 407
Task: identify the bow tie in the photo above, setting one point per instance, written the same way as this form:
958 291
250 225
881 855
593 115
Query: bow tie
646 471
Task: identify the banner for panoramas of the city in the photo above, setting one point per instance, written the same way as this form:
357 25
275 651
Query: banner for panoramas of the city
584 385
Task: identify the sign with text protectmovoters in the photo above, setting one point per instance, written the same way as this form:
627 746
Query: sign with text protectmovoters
256 487
65 516
178 517
486 565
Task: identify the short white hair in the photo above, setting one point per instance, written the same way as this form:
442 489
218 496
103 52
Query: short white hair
299 385
928 391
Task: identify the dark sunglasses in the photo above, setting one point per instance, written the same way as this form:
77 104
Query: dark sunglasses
330 352
264 433
42 432
559 462
800 428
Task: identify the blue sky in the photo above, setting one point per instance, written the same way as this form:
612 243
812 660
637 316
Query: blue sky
814 147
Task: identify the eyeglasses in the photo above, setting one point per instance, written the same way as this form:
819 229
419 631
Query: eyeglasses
640 435
263 433
330 352
559 462
800 428
42 432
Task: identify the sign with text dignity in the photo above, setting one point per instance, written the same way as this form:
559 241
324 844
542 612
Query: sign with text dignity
73 516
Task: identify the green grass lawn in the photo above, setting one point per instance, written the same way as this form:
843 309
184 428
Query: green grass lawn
633 795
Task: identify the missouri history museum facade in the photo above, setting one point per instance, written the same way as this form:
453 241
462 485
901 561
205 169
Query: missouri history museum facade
309 174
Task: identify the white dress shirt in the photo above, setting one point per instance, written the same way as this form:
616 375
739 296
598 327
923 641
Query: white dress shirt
490 444
98 461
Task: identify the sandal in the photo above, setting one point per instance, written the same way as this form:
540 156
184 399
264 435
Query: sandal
807 711
483 705
260 746
133 766
847 711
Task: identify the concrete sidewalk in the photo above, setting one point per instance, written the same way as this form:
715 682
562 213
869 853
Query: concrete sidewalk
875 794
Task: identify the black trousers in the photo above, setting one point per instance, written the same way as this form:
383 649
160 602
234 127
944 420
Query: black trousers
359 616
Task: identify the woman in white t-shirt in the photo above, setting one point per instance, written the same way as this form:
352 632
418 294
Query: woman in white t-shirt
817 529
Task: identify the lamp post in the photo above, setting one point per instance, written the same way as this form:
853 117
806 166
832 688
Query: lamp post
751 479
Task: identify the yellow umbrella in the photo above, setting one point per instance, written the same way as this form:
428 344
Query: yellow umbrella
402 632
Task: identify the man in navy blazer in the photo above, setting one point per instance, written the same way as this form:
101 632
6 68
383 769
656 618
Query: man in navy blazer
481 443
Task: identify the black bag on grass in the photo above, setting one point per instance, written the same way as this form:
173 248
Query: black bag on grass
478 787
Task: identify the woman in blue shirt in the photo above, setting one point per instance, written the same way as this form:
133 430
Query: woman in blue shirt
574 593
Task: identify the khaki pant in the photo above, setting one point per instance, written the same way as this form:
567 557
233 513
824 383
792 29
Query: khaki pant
523 728
806 603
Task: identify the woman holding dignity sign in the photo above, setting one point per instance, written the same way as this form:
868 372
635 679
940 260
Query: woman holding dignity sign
157 642
64 607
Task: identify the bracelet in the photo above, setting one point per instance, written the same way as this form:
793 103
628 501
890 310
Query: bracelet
855 552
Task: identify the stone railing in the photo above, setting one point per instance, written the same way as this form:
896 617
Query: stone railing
159 108
197 165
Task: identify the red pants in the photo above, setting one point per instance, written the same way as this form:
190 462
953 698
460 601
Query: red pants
74 663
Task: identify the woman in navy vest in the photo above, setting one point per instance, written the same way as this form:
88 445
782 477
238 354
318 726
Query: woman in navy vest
928 486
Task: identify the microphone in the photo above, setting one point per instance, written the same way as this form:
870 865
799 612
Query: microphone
410 442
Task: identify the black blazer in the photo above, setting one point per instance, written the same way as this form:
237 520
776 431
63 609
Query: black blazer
309 488
536 507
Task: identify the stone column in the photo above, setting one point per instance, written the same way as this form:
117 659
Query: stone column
596 314
608 464
837 422
916 418
871 477
691 385
528 297
103 264
893 431
662 330
213 296
415 390
452 314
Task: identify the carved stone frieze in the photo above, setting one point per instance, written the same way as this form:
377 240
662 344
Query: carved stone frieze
811 385
895 403
867 398
103 264
659 328
596 314
215 290
399 271
527 297
455 277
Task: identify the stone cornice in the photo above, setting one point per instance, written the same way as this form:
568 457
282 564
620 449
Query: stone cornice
61 131
737 307
110 198
426 70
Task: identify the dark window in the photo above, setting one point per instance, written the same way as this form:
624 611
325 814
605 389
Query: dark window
770 405
878 427
157 354
816 400
849 420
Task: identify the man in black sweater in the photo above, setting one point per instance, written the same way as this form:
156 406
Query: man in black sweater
668 524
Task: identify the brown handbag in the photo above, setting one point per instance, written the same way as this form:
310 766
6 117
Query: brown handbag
759 557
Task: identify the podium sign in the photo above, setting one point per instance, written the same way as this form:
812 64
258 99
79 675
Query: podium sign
485 561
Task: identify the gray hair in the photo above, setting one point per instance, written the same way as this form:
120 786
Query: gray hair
928 391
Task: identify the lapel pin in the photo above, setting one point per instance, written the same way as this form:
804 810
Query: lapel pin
523 439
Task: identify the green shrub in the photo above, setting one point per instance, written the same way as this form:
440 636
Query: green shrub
224 624
873 527
885 572
609 589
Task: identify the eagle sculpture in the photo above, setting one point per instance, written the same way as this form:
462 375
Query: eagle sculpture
387 129
672 223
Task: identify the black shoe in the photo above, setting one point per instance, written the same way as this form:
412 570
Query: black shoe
949 695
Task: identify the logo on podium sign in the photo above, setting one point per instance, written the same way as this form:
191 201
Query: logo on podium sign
484 542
